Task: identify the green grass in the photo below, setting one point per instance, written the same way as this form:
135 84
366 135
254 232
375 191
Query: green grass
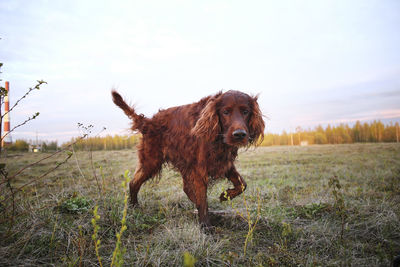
300 219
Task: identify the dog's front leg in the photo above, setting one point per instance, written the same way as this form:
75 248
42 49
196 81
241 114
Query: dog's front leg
238 183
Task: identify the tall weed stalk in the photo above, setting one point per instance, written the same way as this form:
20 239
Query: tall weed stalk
339 205
247 216
119 250
118 254
95 236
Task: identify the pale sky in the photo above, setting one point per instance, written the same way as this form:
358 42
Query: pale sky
312 62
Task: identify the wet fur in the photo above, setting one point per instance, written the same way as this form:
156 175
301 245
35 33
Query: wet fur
198 141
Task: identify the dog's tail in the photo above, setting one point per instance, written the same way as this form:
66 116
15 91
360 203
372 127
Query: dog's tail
138 120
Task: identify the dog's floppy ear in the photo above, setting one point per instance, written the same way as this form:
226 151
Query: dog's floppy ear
256 123
207 126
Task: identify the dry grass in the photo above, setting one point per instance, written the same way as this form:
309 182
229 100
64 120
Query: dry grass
300 223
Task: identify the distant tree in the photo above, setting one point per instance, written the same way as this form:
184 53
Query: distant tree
284 138
344 133
19 145
366 133
268 140
329 134
357 132
49 146
320 138
108 142
380 129
299 130
320 135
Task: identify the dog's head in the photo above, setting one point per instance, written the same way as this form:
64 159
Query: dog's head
233 115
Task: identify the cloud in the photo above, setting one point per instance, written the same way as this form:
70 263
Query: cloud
366 116
384 94
311 62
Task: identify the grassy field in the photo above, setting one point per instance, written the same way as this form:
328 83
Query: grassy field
310 206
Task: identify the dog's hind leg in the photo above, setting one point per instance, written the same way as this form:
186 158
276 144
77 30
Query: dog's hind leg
142 174
149 165
188 189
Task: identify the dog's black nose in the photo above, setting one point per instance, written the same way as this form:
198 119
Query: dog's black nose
239 134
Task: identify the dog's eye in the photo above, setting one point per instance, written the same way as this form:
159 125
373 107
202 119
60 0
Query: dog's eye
245 112
225 112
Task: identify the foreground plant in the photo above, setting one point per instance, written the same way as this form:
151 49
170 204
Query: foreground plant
96 229
248 217
339 205
119 251
118 254
188 259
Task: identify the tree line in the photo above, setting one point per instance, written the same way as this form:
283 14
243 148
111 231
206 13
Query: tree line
374 131
22 145
116 142
366 132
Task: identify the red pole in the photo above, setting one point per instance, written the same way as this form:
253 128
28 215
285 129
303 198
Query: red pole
7 137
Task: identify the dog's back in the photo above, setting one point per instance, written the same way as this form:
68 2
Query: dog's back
173 126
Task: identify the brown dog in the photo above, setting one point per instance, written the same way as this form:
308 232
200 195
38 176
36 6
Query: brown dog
200 140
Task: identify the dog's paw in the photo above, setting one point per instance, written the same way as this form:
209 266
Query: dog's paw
208 229
224 196
134 204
